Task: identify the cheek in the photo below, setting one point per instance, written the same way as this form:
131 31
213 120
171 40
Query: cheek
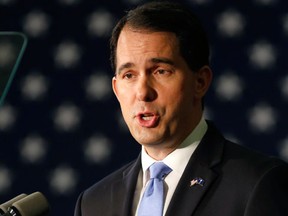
180 99
178 92
125 101
172 99
120 92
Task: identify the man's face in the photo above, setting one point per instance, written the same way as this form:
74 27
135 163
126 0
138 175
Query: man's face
158 94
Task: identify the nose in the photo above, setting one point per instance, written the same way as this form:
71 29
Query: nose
145 89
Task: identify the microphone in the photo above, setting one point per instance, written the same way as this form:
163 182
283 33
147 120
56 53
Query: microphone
34 204
4 206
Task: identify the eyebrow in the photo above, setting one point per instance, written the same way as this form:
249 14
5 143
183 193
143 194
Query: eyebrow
152 60
124 66
162 60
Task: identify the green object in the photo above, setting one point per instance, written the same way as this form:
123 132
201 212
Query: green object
12 47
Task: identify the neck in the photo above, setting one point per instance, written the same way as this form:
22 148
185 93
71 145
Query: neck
158 153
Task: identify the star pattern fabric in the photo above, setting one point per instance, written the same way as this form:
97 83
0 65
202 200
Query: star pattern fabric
61 127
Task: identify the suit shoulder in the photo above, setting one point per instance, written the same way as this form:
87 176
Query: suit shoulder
106 182
249 160
103 196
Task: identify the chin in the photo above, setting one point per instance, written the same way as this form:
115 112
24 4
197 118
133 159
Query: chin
148 136
149 142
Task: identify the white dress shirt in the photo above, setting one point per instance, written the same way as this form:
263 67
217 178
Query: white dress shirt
176 160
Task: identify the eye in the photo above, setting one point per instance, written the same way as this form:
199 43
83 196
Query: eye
127 75
162 72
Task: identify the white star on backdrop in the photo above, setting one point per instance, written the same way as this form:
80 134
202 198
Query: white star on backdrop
34 86
283 150
5 179
285 23
121 123
68 54
284 87
100 23
7 2
262 118
36 23
7 53
231 23
228 86
208 112
63 180
33 149
7 117
262 55
67 117
98 86
98 149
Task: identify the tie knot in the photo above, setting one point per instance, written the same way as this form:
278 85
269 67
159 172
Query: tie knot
159 170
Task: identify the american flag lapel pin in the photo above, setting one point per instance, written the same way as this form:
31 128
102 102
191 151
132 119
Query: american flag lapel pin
197 181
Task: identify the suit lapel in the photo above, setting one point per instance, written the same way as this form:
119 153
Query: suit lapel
187 197
123 190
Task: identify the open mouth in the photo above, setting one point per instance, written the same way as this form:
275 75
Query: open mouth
148 119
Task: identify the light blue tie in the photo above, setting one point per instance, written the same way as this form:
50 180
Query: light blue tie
153 197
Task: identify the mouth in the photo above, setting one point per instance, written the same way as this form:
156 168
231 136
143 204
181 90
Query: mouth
147 116
148 119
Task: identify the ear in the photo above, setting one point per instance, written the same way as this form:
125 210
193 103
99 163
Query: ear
203 78
114 86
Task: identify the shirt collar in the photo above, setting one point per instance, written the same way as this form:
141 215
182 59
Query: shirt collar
178 159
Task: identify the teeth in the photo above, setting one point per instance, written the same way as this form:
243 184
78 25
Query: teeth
147 117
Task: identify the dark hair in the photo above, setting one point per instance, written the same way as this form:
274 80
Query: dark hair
168 17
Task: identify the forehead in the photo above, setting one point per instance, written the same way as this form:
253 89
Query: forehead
141 43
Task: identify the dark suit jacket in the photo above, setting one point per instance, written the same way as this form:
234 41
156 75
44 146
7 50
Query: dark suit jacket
237 182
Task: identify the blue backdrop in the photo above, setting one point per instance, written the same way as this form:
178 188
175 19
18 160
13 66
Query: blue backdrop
61 128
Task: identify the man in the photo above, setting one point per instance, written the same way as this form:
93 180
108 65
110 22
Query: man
160 56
